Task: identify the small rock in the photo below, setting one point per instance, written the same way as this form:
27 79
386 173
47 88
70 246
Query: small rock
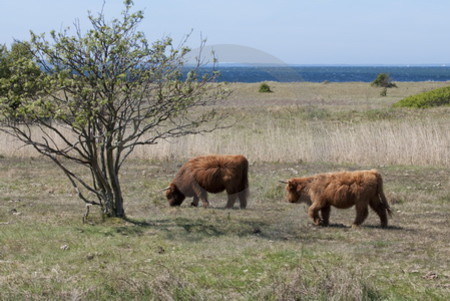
257 231
430 276
15 212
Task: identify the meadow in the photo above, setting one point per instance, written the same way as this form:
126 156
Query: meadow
270 251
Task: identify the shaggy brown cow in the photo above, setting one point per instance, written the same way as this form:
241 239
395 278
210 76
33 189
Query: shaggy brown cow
213 174
341 190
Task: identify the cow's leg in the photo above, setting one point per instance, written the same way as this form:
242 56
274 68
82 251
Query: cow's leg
325 215
195 202
243 199
204 199
313 213
231 200
362 211
380 210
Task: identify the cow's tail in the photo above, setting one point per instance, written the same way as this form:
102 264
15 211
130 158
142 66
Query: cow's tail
245 178
381 195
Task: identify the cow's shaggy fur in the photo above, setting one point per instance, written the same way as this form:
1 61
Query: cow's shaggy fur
214 174
341 190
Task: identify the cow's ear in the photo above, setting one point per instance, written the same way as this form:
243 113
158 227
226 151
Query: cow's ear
291 185
299 187
172 187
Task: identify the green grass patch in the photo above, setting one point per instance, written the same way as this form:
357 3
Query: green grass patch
433 98
270 251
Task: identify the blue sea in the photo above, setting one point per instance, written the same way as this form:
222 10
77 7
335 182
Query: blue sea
252 74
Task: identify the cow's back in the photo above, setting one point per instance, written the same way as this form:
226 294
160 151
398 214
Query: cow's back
217 173
344 189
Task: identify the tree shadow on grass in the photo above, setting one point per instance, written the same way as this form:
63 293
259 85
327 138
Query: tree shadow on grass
200 228
197 228
137 222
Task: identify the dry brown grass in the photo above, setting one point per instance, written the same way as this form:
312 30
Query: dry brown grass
355 95
423 141
334 122
417 141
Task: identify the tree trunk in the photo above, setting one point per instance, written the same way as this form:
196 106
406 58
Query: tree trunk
114 207
113 175
119 212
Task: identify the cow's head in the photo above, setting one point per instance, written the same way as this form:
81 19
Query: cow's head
174 195
294 191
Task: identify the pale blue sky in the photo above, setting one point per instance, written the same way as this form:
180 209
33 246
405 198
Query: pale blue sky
293 31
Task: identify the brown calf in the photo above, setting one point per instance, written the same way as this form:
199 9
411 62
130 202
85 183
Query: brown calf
341 190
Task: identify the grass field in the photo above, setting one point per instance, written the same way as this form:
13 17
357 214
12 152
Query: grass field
270 251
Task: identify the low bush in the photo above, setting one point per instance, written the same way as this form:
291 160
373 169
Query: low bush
383 80
433 98
264 88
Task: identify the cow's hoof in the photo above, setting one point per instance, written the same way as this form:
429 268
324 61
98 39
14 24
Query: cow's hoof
318 222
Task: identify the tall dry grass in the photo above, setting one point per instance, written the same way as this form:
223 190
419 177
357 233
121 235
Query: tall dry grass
410 141
311 122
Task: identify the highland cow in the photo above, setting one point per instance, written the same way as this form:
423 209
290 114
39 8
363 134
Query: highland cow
213 174
341 190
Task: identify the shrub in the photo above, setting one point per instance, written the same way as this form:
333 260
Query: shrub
264 88
383 80
433 98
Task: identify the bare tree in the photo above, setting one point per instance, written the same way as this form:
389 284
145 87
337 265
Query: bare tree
103 93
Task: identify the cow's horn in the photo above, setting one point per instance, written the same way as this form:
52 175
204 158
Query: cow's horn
283 182
167 188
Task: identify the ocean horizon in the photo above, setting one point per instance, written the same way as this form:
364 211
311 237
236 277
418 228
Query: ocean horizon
328 73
